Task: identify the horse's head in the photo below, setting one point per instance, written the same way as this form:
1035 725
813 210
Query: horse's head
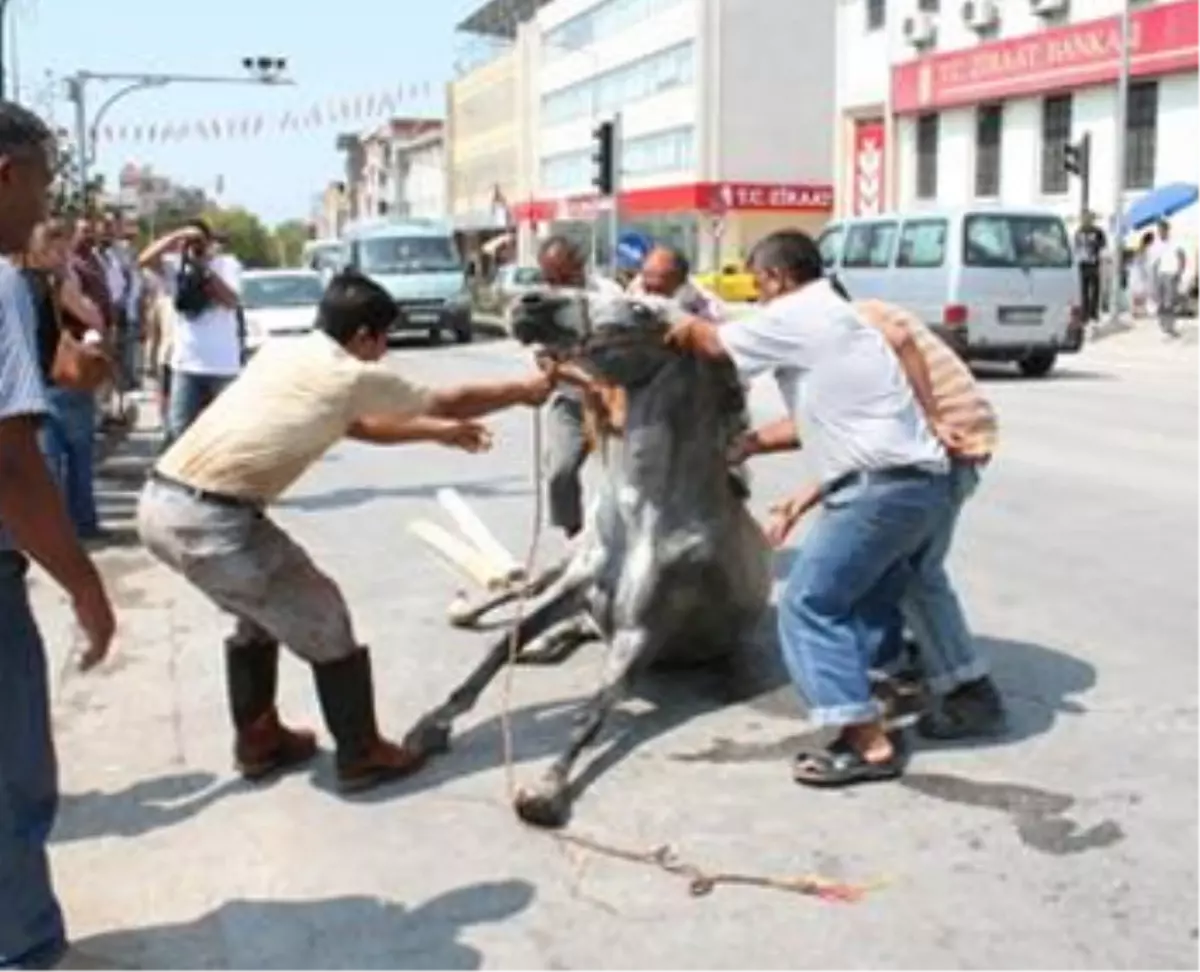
618 339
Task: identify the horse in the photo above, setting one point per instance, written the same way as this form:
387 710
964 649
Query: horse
671 570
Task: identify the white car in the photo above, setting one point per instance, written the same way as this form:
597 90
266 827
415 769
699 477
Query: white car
279 303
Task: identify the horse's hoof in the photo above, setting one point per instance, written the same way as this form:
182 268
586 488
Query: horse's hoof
429 738
542 808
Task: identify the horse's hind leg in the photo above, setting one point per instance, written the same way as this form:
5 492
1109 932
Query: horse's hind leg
559 642
431 733
547 804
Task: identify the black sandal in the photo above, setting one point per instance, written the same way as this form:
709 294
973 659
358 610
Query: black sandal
839 764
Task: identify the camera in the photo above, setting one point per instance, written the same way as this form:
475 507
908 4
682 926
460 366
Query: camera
191 295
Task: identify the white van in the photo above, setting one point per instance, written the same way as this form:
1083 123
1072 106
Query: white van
998 284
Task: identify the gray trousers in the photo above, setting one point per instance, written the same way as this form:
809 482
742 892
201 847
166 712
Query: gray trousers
1166 296
251 568
566 452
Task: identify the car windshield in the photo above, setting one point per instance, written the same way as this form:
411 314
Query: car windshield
408 254
325 257
281 290
526 276
1031 242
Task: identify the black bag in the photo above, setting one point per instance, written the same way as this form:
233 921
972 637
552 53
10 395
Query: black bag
191 294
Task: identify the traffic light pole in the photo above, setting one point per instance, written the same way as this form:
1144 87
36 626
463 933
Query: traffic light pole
614 221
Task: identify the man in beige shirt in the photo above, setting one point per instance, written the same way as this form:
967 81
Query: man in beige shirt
203 514
966 702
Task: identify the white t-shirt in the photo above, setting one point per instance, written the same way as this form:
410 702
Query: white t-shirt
843 384
1165 258
207 344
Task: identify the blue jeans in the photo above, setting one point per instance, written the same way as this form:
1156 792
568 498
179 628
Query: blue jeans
191 394
31 924
931 608
840 601
68 439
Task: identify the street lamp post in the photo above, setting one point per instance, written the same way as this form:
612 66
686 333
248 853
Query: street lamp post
262 70
1118 216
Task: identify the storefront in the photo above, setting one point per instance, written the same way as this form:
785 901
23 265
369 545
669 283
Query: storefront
712 223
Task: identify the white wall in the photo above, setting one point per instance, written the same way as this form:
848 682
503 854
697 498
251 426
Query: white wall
776 85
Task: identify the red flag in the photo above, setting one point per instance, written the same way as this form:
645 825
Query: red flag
259 122
202 129
215 128
151 132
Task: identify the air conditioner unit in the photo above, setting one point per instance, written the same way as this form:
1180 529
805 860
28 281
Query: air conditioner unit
981 14
920 29
1048 8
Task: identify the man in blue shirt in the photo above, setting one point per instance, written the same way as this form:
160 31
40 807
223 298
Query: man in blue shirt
33 522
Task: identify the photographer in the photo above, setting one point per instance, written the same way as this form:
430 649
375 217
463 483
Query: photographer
206 349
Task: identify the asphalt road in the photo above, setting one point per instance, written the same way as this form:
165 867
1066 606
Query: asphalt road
1071 843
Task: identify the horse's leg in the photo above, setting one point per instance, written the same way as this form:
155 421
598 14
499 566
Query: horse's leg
464 614
558 643
431 733
547 804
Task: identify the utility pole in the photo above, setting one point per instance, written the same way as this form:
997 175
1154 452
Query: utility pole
261 70
3 47
1118 205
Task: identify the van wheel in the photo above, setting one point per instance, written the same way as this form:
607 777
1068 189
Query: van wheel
1039 364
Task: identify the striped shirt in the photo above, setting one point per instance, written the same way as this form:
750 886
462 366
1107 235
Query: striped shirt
22 391
961 403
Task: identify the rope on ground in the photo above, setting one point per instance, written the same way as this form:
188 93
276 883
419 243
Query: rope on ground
663 857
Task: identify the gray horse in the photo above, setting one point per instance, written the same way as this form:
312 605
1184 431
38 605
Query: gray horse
671 569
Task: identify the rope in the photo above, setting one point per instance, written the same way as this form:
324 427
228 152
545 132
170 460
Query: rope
700 882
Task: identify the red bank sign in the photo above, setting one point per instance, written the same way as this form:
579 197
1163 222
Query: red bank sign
1163 41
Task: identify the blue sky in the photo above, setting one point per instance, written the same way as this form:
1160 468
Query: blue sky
335 49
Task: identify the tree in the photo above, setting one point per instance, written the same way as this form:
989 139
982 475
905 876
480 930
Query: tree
290 238
248 239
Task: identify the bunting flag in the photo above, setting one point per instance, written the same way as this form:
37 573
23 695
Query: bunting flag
376 106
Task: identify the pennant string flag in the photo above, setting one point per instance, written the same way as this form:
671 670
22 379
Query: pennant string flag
367 107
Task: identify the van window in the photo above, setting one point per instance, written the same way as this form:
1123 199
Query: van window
869 245
922 244
407 254
999 240
830 244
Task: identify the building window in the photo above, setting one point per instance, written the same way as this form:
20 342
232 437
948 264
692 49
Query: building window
607 92
989 134
927 156
929 6
600 22
1056 134
649 155
1141 135
875 14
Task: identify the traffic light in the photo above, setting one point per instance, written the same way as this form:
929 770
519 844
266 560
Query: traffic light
604 157
1077 157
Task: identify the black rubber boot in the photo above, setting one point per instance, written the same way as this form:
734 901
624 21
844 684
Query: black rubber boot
264 746
347 695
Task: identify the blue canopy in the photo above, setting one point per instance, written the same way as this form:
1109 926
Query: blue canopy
1160 203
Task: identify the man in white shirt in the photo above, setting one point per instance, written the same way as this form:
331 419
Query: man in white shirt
206 347
882 477
563 265
667 273
1166 261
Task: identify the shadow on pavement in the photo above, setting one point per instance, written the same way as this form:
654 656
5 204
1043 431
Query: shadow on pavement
355 932
540 731
145 806
341 499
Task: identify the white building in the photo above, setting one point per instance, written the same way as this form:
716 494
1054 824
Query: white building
958 101
402 172
724 113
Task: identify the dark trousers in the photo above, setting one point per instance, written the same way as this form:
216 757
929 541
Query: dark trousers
1089 284
190 395
68 441
31 924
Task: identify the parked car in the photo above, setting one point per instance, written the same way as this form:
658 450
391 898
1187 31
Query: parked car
512 281
279 304
997 284
418 263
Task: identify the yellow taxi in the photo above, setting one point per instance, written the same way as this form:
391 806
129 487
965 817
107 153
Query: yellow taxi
734 284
